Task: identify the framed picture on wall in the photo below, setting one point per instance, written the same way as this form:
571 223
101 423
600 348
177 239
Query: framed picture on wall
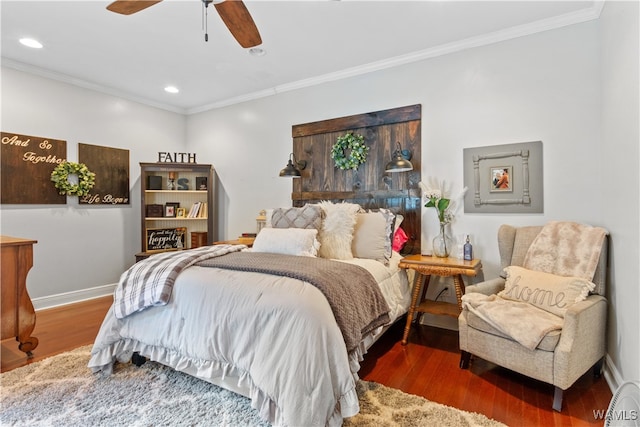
504 178
501 178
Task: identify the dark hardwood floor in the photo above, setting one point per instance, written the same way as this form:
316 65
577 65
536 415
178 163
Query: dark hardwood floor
426 366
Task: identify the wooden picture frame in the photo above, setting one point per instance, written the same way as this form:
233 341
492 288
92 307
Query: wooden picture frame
170 209
181 213
165 239
201 183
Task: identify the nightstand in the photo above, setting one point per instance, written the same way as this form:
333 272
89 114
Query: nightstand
239 241
425 266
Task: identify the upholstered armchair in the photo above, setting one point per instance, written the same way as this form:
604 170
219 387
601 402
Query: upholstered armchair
567 350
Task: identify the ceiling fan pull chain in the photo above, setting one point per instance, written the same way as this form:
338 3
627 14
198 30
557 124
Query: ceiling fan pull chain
205 20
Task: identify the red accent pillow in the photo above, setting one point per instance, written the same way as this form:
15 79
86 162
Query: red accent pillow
399 239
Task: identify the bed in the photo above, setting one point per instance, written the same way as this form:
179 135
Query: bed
287 340
256 322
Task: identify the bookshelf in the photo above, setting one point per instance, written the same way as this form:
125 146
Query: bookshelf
177 207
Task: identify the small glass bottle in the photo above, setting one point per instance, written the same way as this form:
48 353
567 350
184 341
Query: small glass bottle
468 250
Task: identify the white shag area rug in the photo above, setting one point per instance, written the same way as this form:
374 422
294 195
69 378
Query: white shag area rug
62 391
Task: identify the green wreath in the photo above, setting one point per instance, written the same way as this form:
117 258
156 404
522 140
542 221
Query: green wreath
354 144
60 178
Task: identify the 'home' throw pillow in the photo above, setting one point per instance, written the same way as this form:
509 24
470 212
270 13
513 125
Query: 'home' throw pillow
549 292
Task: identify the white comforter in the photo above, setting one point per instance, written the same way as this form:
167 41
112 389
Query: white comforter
273 339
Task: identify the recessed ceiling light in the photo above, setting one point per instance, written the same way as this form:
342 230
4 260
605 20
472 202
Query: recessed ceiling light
31 43
257 51
171 89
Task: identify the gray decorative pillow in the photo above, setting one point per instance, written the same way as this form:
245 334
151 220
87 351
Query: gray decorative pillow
373 235
308 216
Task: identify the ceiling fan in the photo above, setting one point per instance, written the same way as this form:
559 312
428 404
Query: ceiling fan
233 13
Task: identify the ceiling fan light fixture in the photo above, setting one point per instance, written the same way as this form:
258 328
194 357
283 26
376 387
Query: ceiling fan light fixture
171 89
257 51
32 43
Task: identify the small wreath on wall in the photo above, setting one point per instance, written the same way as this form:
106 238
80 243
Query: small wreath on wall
60 178
352 144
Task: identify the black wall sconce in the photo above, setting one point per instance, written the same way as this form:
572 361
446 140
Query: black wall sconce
293 168
399 161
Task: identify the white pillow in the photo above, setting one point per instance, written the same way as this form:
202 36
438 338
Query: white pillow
336 233
287 241
372 236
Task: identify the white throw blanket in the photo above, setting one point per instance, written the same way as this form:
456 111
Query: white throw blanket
521 321
150 282
566 249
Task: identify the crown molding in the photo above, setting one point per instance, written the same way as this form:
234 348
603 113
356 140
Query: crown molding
548 24
584 15
65 78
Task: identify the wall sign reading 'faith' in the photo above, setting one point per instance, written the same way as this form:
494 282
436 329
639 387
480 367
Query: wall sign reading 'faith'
166 157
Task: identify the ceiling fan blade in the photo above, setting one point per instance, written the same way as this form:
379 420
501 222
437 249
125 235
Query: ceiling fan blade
129 7
239 21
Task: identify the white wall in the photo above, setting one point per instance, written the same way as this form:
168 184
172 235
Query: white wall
546 87
542 87
619 162
79 246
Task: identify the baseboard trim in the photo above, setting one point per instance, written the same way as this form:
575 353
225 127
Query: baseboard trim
57 300
611 374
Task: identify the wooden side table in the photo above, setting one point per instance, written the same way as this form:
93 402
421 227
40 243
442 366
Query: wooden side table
18 315
239 241
425 266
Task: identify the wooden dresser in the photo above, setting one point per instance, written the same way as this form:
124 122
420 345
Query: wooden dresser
18 316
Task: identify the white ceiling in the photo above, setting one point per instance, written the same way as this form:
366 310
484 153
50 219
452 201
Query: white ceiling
306 42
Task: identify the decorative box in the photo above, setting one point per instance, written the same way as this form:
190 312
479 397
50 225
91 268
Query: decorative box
198 238
154 182
154 211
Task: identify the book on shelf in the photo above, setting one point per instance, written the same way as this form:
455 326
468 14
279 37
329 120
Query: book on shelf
198 210
202 213
194 210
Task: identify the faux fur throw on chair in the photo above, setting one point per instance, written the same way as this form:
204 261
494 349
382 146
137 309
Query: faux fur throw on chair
566 249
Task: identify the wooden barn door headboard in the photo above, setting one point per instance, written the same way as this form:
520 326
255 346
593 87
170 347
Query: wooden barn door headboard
369 185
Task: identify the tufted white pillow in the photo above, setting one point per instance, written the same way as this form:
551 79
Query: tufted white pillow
287 241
